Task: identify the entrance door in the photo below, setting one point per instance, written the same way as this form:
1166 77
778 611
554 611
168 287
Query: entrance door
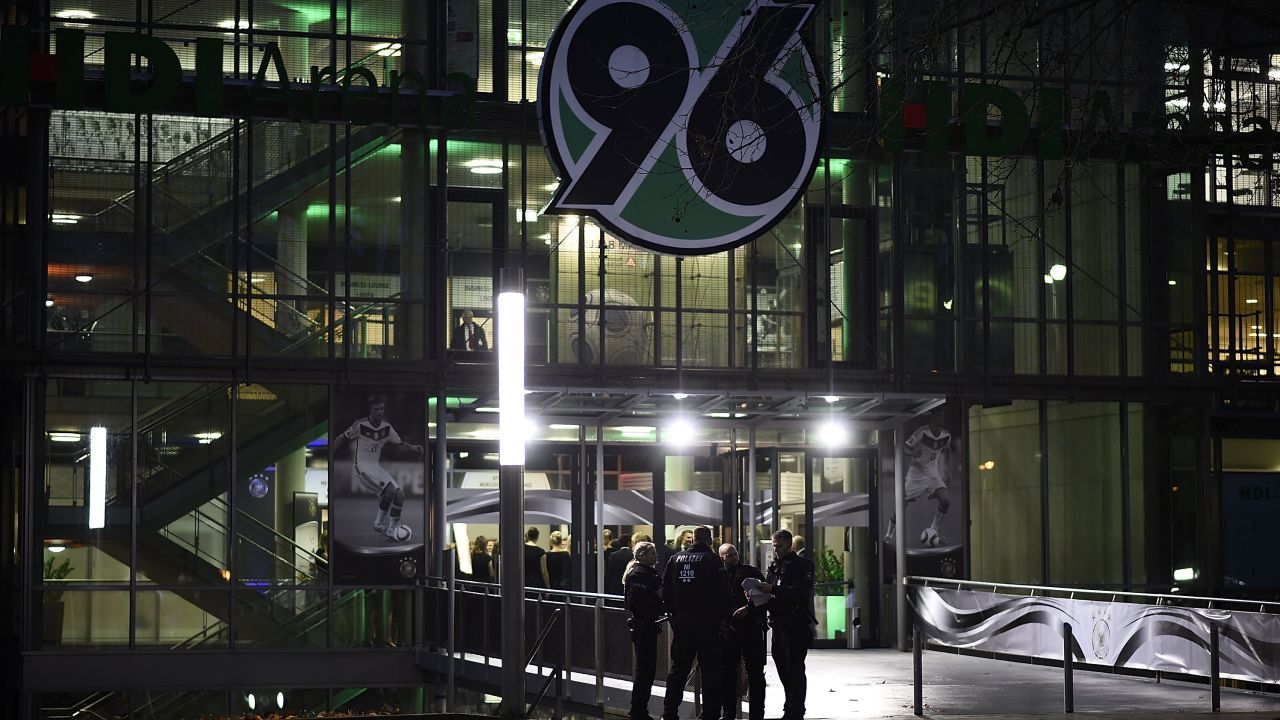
828 499
841 543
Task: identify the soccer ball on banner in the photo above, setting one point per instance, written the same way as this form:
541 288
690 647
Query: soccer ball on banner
930 538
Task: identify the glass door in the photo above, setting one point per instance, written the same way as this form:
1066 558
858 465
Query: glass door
841 544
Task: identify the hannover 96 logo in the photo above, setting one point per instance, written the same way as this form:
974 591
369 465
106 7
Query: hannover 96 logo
686 126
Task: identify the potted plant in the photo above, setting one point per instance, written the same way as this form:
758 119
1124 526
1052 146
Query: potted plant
829 594
54 608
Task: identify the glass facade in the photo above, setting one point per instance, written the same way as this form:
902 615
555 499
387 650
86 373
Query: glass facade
187 298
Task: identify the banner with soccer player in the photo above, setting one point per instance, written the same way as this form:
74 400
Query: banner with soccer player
376 485
933 451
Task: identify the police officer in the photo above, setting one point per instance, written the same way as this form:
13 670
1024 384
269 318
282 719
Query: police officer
744 640
643 592
790 581
695 591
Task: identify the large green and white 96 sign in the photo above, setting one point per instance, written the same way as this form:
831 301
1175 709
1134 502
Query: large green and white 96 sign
685 127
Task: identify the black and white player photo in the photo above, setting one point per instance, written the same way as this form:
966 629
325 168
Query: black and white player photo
376 483
927 451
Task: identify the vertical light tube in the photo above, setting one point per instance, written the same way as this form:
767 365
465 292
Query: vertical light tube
97 478
511 425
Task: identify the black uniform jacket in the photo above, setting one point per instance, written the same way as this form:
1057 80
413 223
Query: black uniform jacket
695 584
644 594
756 615
792 581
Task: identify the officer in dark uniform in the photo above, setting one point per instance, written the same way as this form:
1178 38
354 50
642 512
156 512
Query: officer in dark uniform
744 641
695 591
643 592
790 581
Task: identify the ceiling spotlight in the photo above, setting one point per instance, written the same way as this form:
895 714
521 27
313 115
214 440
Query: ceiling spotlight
680 396
233 25
57 548
48 302
64 437
831 398
833 434
84 278
75 15
679 432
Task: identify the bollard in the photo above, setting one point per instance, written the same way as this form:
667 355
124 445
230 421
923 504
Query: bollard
1215 680
1068 666
917 650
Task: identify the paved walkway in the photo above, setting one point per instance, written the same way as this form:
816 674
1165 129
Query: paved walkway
877 683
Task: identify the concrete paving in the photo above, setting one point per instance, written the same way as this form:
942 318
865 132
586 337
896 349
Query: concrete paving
877 683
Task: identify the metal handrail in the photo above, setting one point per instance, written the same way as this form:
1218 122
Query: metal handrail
538 591
1160 597
542 636
320 562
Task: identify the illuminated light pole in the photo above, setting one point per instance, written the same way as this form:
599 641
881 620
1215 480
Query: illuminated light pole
511 437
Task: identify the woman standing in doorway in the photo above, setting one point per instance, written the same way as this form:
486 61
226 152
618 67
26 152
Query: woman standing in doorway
481 562
558 563
535 561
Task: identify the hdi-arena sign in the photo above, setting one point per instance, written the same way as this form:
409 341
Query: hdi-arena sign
24 72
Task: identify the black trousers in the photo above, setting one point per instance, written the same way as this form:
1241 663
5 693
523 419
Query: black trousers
694 638
791 645
645 641
743 648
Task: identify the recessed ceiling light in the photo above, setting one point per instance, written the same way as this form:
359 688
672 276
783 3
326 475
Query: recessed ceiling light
64 219
75 15
831 398
48 303
1251 301
232 25
680 396
57 548
84 278
484 166
396 199
560 426
64 437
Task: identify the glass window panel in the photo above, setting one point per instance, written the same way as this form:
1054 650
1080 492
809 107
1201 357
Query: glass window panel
82 618
1005 499
184 451
88 456
1135 260
1097 349
1085 540
1095 261
281 450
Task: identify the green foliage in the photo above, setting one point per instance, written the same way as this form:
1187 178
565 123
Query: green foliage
58 571
830 570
